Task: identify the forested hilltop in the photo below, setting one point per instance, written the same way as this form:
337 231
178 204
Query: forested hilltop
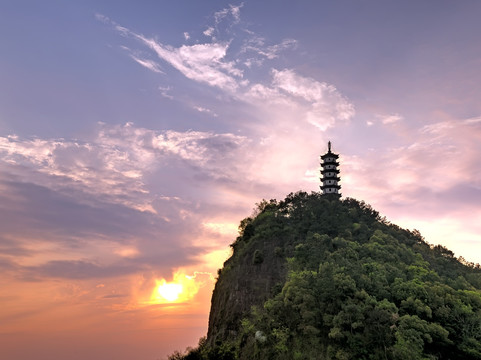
314 278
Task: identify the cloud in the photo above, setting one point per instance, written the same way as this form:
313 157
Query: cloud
209 62
205 110
429 176
327 104
274 50
204 63
130 199
209 31
292 97
89 167
203 148
306 88
186 35
77 269
102 18
164 91
450 148
60 237
10 247
390 119
149 64
200 62
474 120
114 164
233 10
257 45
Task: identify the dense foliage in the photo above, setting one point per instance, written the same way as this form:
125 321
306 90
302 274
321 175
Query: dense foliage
356 287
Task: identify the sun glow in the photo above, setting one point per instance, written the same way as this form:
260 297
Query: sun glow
181 289
169 292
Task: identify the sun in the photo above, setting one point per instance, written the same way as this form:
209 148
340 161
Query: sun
169 291
181 289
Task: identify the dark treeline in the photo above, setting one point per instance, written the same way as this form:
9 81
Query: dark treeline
330 279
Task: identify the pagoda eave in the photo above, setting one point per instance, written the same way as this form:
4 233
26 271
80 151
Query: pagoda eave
330 187
329 154
330 179
326 163
329 170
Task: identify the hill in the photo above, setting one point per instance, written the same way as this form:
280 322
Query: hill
318 278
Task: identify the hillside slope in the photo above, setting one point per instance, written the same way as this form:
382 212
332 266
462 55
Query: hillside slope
313 278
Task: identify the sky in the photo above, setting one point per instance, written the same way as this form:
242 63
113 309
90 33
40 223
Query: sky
135 135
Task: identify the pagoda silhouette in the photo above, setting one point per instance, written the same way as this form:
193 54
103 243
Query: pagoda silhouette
330 174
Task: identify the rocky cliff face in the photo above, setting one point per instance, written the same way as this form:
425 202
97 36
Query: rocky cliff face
248 278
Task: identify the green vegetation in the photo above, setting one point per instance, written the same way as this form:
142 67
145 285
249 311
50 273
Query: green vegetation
313 278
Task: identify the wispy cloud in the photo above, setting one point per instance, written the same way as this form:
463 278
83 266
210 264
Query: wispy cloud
201 62
257 45
209 31
209 62
232 10
164 91
205 110
229 15
149 64
327 104
103 18
390 119
473 120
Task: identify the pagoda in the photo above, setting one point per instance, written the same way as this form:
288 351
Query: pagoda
330 174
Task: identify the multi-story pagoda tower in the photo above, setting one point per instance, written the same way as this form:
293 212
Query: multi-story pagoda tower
330 174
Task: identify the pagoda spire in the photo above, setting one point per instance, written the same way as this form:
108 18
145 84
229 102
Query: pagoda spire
330 173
